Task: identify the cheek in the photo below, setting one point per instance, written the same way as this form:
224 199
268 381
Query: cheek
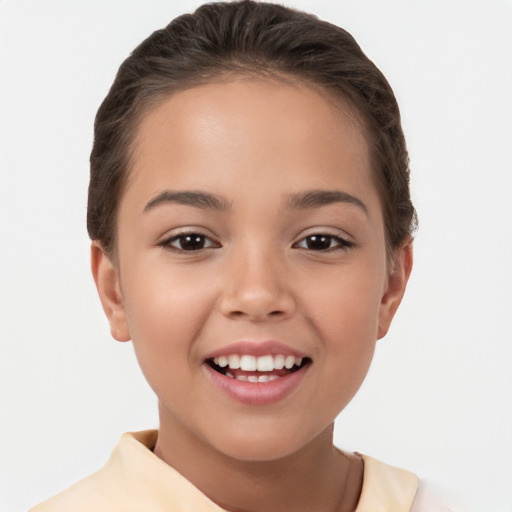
350 334
164 311
346 317
346 304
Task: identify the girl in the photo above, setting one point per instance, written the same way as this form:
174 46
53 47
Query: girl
251 232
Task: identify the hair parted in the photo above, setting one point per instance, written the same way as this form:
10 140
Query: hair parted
247 37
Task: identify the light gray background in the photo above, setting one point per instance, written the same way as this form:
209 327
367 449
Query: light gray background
438 398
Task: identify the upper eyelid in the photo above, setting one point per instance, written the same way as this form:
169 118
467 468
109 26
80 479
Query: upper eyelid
326 231
168 244
343 241
173 235
197 230
182 231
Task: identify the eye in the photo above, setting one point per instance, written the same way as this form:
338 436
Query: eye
189 242
323 242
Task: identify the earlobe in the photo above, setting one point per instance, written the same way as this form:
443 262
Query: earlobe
106 277
395 289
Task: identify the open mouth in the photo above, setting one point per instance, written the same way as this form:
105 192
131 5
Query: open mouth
249 368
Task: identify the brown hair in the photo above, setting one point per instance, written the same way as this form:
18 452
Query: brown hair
247 37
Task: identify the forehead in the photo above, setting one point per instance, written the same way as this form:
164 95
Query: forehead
241 129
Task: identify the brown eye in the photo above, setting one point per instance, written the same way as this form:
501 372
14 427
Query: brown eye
323 242
189 242
318 242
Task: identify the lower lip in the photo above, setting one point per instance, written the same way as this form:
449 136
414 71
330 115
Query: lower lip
257 393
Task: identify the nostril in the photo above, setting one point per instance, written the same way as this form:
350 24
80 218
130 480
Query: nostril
237 314
256 315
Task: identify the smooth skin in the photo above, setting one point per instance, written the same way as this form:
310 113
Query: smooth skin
253 271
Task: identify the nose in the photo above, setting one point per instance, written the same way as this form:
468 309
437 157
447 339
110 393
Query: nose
257 288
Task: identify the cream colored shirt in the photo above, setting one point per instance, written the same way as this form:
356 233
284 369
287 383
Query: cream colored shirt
134 479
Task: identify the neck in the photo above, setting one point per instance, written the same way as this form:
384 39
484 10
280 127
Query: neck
317 477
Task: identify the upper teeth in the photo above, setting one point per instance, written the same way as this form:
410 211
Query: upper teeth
250 363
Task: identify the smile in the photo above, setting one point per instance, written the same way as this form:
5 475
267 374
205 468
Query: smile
257 373
249 368
250 363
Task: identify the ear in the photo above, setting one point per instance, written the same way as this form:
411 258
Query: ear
397 281
106 277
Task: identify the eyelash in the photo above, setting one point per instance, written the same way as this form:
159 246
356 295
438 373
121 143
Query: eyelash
340 243
168 242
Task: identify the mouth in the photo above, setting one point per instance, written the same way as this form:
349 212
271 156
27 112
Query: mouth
257 369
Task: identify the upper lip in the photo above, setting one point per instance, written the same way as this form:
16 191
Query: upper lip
256 348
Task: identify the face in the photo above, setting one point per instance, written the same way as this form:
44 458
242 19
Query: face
251 272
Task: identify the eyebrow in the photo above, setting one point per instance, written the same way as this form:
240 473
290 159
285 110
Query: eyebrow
202 200
318 198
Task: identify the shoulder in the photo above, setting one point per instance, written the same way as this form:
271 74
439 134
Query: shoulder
95 492
134 479
107 489
430 498
389 488
386 488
